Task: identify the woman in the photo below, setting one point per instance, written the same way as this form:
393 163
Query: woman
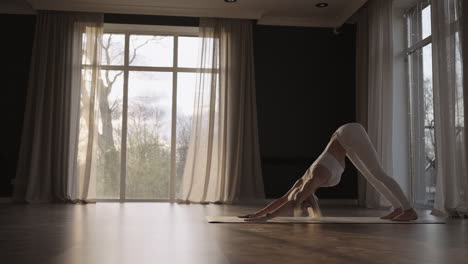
349 140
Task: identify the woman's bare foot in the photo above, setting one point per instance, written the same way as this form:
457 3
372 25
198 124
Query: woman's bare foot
393 214
407 215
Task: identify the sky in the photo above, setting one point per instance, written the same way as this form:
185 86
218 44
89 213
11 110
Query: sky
157 87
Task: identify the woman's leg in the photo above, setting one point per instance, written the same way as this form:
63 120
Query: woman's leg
379 179
361 152
385 191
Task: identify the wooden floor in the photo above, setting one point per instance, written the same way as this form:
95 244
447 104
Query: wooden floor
138 233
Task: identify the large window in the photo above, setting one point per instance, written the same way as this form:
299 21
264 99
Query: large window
423 147
148 82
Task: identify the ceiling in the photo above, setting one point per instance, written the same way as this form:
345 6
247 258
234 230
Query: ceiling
267 12
15 7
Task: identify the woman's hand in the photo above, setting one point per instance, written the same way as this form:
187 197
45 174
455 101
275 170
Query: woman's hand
247 216
259 218
306 204
268 209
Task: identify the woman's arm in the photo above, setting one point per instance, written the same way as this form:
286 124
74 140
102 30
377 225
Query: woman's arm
312 206
275 204
319 177
286 207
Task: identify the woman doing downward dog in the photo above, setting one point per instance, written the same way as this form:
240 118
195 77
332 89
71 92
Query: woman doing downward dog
349 140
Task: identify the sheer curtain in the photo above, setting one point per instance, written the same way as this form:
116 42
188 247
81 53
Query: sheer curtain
49 129
380 89
223 163
85 114
464 45
452 170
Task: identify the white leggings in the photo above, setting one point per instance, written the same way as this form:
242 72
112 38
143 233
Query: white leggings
360 151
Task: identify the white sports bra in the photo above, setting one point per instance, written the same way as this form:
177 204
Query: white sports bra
328 161
334 167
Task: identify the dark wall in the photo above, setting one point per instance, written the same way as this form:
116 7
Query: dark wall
305 90
152 20
16 46
305 79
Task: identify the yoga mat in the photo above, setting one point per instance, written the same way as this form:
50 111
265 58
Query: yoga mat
321 220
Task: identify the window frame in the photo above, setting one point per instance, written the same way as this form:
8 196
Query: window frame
454 28
409 51
131 29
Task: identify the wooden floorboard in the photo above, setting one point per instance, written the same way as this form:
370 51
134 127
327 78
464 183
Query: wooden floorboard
139 233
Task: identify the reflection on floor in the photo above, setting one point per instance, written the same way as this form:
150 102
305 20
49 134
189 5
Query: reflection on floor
140 233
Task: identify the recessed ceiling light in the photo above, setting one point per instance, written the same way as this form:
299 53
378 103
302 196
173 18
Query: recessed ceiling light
321 5
230 1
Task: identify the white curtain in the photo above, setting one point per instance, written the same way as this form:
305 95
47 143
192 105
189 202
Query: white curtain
44 164
223 163
380 90
451 167
85 114
464 51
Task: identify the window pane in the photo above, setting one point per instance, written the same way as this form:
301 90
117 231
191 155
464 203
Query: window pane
155 51
113 48
149 135
109 136
422 123
419 23
413 21
459 108
185 102
426 22
188 52
429 132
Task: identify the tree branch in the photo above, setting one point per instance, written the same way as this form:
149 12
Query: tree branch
139 46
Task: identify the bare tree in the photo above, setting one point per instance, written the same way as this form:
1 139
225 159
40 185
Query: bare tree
106 138
109 110
184 129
